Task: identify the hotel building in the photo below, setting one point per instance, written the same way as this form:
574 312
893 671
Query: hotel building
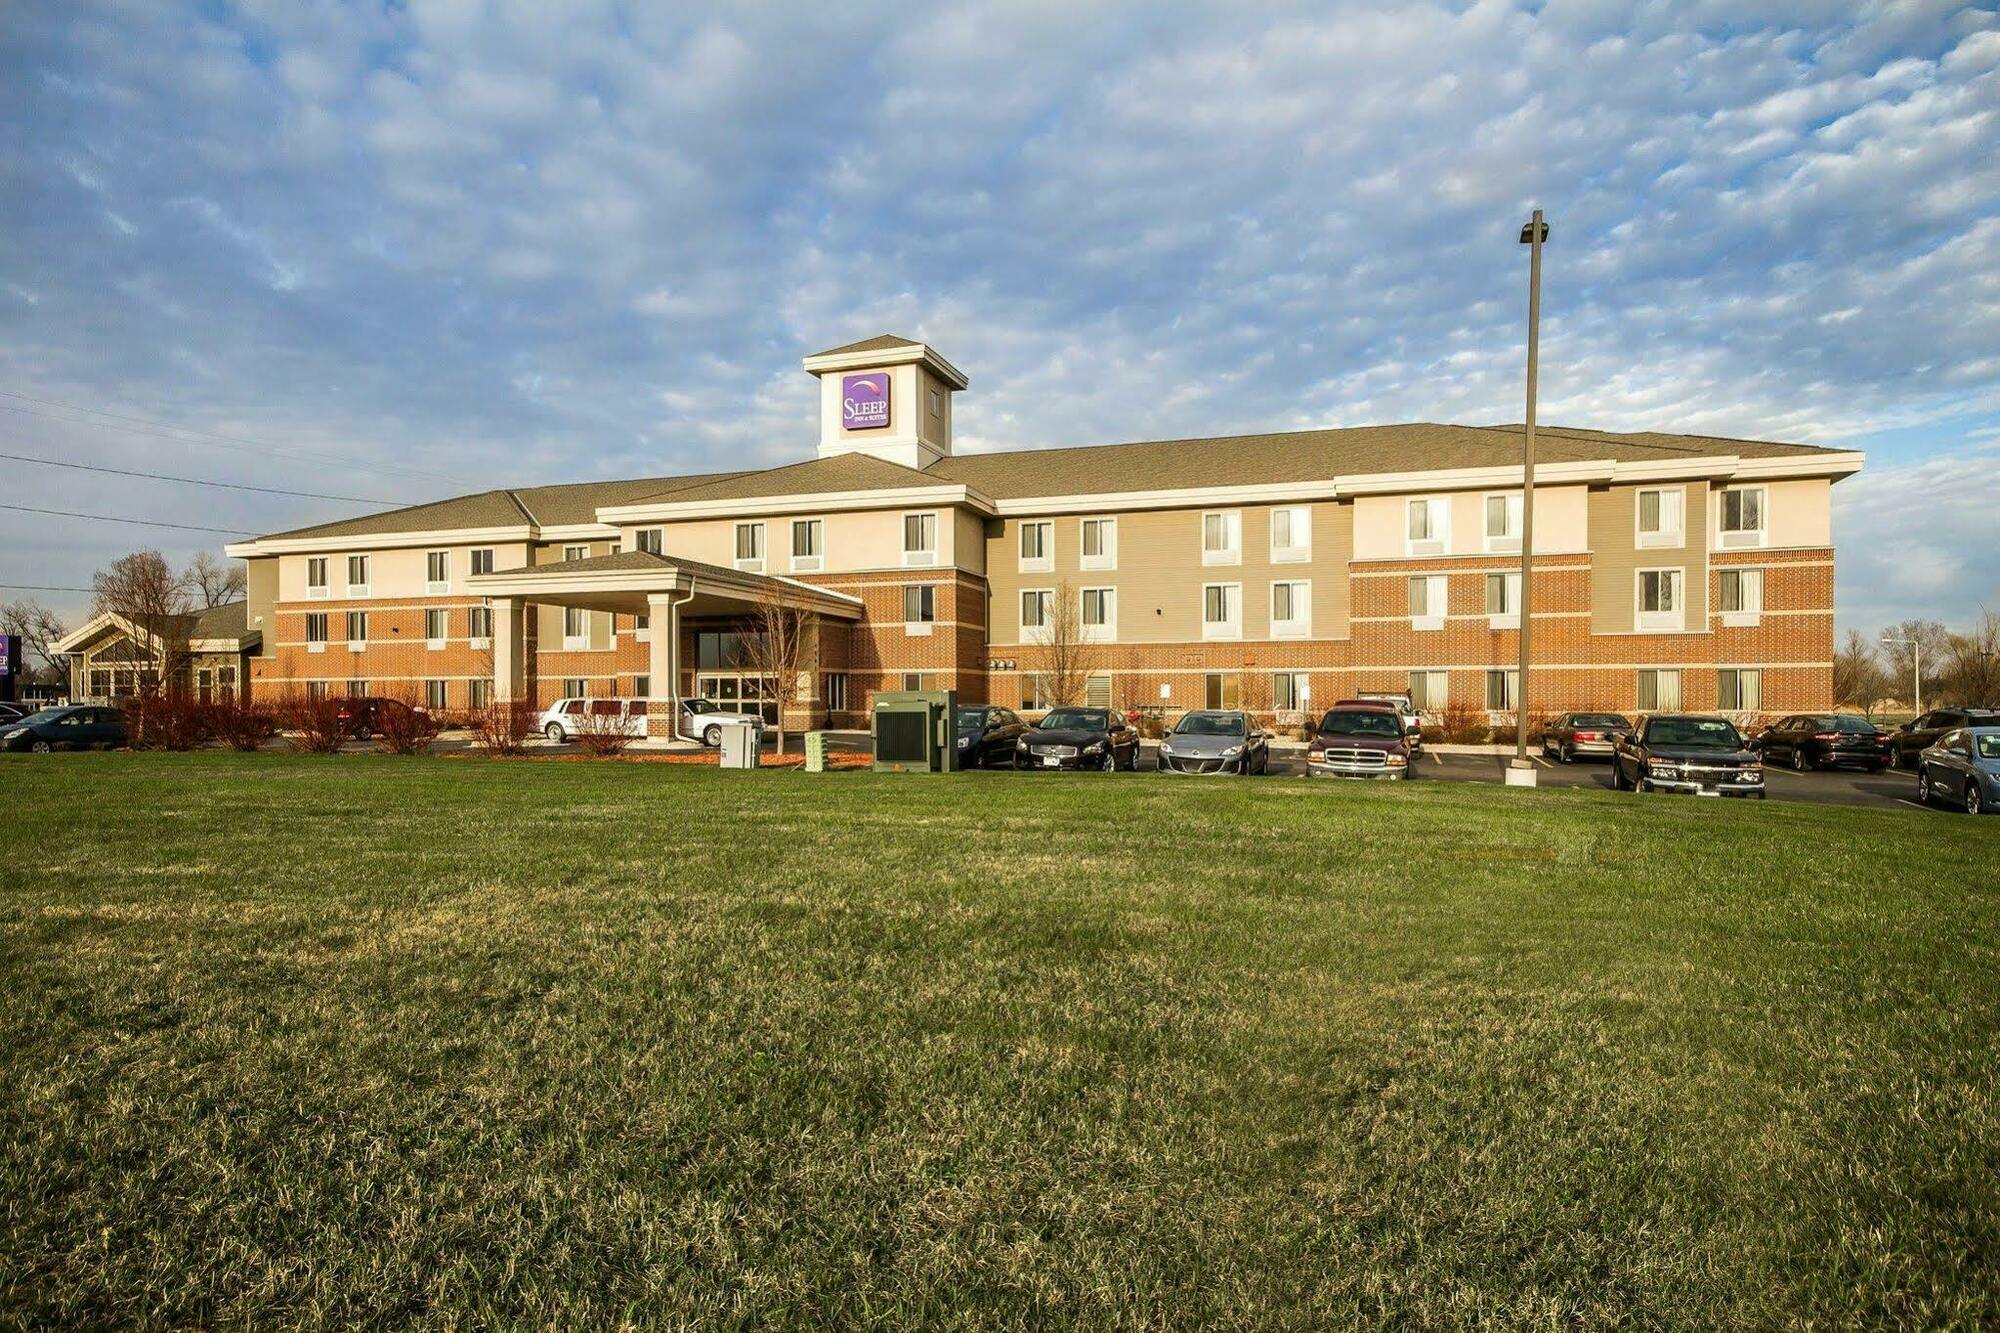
1276 572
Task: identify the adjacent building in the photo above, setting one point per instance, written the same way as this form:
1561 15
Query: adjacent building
209 652
1268 571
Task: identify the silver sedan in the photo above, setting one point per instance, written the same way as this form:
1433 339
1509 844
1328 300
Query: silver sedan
1212 742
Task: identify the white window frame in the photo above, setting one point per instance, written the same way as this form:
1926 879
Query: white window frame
921 558
751 564
816 561
1754 675
582 688
1435 695
1508 542
1665 538
436 643
1743 539
437 694
355 645
576 553
642 628
1045 600
919 627
1751 580
651 541
473 560
1231 628
1046 561
1658 705
1300 549
1510 594
1300 688
325 631
1661 622
320 591
576 643
1106 631
1107 540
1510 689
368 571
1232 528
478 640
436 586
1437 601
1300 626
1438 508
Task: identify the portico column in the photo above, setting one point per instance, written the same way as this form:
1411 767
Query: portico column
509 682
663 620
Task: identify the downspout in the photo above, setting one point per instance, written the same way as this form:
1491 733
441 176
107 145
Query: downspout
674 605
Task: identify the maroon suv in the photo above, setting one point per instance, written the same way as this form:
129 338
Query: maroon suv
1361 740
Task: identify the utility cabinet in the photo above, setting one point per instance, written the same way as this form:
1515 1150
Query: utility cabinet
915 731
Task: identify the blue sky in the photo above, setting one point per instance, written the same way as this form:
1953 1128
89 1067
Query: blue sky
400 252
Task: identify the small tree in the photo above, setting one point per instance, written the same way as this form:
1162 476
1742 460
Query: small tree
1970 675
39 629
504 728
1063 659
154 603
601 730
779 646
403 726
315 723
1859 679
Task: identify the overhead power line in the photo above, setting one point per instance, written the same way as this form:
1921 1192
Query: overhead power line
195 481
142 426
41 587
142 522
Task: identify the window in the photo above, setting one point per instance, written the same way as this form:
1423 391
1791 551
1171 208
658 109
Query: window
1035 692
482 560
437 571
576 553
1037 604
435 626
357 626
1739 689
572 688
1221 689
1659 691
1741 516
1291 535
357 576
1291 691
642 687
937 403
721 652
833 691
1100 614
434 694
1100 543
1427 601
1503 523
316 628
1038 543
316 576
1429 690
479 693
916 680
1429 526
1222 611
919 606
357 689
1222 538
652 542
576 627
481 624
1503 600
1740 596
1097 691
1663 517
1502 689
807 551
749 546
920 539
1291 609
1660 599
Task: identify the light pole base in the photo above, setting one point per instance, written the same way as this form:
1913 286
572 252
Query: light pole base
1521 773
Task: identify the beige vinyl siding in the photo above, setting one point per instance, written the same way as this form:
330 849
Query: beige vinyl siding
260 583
549 617
1616 557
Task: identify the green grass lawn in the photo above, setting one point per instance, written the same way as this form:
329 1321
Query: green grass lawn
461 1042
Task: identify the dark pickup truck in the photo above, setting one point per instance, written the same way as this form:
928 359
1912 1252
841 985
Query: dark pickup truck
1687 752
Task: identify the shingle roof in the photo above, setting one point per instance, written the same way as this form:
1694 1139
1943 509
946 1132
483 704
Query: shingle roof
881 342
815 476
231 620
624 562
573 502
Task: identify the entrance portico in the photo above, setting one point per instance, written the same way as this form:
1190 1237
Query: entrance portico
665 589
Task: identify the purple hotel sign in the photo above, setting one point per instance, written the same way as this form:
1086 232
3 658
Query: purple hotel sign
864 401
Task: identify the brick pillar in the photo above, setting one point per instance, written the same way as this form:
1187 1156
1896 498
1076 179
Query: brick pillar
663 619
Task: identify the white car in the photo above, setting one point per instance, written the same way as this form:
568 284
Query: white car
564 718
704 719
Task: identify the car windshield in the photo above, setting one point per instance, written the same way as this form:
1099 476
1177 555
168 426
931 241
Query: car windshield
1211 724
1601 721
1361 722
971 719
1858 725
1077 719
46 715
1987 744
1694 733
699 706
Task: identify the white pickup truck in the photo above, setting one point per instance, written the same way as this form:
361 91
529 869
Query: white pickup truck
701 719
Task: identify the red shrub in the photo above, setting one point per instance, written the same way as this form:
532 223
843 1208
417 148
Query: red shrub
402 726
315 724
504 728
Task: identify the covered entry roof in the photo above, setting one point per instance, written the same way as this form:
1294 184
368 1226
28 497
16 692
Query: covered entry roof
623 582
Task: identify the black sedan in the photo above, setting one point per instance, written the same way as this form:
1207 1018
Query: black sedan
1086 738
1685 752
1920 733
986 736
75 727
1825 740
1576 734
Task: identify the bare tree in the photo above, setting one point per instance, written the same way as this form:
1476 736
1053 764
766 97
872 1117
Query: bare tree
1970 674
1859 679
1900 658
154 603
1063 658
39 629
780 646
213 583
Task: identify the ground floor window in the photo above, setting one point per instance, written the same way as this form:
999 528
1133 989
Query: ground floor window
833 691
919 680
1739 689
573 688
1222 690
316 691
1659 691
225 682
434 694
1035 692
642 687
480 623
1428 690
740 692
480 693
1291 691
1097 692
100 684
1502 689
357 689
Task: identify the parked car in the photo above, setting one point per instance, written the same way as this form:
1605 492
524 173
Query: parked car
1413 720
1825 740
1920 733
1575 734
13 712
705 718
1215 741
1687 752
987 736
1079 738
1963 766
72 727
361 716
1361 739
564 719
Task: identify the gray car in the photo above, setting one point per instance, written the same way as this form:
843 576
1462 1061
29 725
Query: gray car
1211 742
1962 767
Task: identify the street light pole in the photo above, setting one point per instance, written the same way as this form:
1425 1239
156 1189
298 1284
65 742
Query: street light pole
1522 772
1916 668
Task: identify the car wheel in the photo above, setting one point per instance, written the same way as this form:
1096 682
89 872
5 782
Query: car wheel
1567 754
1110 761
42 747
712 738
1973 804
1923 785
1617 775
1798 760
553 732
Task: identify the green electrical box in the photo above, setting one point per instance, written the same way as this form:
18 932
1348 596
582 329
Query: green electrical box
915 731
815 752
